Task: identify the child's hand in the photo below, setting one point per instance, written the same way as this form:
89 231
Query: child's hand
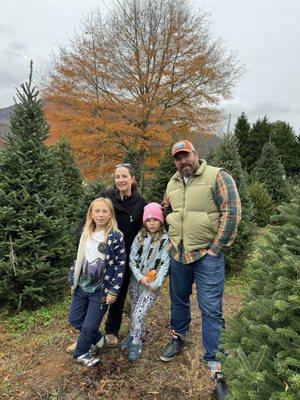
110 299
144 281
152 289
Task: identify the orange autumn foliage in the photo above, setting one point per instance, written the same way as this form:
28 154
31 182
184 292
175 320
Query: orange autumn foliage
145 76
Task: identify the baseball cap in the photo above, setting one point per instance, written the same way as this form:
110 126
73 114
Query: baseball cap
183 145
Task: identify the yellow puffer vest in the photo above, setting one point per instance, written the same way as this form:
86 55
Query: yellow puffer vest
195 217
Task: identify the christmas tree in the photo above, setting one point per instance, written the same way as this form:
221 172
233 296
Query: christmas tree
287 144
34 236
226 155
71 181
264 339
270 171
260 133
263 206
156 186
242 133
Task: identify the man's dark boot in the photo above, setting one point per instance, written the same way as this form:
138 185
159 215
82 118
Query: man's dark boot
173 348
221 391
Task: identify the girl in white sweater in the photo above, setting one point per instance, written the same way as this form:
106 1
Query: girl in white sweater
98 276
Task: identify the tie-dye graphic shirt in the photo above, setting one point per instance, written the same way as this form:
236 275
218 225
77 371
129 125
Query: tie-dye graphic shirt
91 277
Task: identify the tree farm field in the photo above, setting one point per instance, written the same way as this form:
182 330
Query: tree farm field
34 364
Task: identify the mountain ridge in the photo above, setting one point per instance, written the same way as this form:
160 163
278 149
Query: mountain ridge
5 114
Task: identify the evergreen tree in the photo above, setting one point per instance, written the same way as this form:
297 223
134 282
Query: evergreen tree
71 181
263 206
157 185
287 145
242 133
34 240
91 192
270 171
263 339
260 133
227 156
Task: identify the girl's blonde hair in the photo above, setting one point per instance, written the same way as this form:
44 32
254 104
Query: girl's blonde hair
90 225
156 237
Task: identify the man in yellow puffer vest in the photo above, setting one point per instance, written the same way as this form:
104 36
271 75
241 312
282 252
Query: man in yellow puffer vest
206 211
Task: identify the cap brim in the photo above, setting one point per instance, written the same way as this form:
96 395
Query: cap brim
181 151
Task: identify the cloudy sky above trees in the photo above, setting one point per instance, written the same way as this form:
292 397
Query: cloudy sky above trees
264 33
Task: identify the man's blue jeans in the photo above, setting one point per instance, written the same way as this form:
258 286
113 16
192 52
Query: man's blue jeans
208 274
86 314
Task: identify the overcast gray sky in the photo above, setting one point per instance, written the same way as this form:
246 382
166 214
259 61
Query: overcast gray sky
266 34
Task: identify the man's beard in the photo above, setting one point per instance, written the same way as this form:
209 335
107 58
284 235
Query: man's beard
187 171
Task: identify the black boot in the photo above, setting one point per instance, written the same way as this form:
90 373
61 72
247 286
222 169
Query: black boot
173 348
221 391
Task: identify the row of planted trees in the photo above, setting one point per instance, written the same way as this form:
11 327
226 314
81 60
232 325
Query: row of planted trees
42 198
270 157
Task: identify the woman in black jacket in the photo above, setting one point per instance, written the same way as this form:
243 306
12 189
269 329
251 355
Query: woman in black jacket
128 205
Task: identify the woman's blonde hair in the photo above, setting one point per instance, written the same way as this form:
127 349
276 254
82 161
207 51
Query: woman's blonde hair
90 225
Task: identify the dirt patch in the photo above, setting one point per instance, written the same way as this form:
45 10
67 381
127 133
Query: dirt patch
36 366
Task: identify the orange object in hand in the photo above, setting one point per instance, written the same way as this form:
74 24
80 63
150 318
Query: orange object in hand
151 275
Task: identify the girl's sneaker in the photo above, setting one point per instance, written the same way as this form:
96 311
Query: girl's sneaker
127 343
88 359
135 352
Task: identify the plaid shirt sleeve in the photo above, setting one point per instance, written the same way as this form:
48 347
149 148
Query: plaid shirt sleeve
228 201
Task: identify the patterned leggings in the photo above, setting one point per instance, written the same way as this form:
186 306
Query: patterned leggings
142 300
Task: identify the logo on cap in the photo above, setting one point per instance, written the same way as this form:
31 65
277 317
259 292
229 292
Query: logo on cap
178 146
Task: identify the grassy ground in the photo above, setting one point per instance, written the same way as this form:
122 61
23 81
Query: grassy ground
34 364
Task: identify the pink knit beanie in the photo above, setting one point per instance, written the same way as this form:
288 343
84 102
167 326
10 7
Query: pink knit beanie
153 210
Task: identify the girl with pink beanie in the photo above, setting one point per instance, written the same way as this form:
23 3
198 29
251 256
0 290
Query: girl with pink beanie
149 263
